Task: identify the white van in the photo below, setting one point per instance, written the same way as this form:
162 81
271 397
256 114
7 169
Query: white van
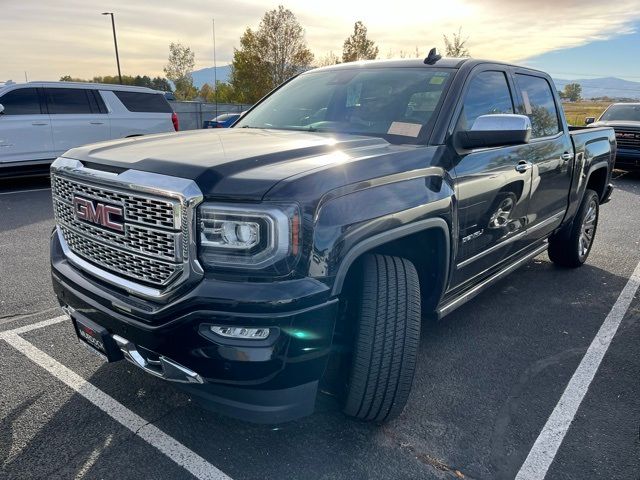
41 120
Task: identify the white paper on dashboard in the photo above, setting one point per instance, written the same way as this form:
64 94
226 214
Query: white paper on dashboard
405 129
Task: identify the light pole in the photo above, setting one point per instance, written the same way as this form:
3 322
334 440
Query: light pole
115 42
215 66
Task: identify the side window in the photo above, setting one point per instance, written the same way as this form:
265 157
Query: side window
144 102
488 94
538 105
62 101
21 101
97 104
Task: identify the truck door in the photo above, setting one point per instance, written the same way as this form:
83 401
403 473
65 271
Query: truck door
549 153
492 191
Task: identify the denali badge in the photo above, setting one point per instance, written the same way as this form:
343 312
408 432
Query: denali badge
103 214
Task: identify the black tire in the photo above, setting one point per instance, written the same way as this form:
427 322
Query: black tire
567 248
386 340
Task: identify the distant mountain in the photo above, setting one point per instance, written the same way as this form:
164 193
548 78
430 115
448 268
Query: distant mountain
205 75
604 87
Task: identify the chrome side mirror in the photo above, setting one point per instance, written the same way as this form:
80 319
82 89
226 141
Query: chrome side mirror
589 120
496 130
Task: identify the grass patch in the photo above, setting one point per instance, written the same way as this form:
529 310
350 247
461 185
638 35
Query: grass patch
576 112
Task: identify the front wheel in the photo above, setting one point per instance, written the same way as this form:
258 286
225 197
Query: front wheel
386 342
571 248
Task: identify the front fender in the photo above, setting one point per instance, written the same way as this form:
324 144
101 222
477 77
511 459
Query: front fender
359 218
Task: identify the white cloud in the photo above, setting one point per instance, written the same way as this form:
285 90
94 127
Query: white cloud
51 38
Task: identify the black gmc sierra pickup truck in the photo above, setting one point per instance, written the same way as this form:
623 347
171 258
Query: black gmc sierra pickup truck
345 206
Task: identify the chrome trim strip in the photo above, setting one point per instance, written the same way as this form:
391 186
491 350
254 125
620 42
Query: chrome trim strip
132 181
449 307
556 216
489 250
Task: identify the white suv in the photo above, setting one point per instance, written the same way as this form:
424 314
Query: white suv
41 120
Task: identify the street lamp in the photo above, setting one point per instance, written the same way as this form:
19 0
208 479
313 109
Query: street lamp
115 42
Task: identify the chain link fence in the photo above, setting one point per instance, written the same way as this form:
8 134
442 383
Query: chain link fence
193 114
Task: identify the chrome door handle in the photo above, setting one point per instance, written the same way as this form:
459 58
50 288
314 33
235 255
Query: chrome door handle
523 166
39 123
566 156
96 123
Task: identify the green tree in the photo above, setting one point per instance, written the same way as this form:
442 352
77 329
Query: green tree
572 92
178 69
224 93
161 83
158 83
456 46
268 56
357 46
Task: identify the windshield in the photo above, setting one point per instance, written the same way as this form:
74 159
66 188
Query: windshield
622 112
394 103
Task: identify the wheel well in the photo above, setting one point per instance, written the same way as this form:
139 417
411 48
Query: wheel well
427 250
598 181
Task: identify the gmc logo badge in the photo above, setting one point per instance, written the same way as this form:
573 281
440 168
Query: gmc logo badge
98 213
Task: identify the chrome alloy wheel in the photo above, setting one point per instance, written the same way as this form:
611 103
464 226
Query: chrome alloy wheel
588 228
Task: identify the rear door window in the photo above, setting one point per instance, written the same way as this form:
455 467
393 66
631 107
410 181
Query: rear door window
64 101
488 94
538 104
21 101
144 102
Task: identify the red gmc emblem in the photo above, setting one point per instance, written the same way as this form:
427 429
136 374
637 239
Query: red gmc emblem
103 214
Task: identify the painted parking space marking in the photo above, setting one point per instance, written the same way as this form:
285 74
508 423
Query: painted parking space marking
176 451
546 446
25 191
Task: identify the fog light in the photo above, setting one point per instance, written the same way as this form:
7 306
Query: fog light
241 332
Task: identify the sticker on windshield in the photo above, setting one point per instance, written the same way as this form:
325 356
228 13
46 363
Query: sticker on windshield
436 80
405 129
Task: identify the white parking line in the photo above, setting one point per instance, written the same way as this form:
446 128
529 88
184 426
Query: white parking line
176 451
26 191
546 446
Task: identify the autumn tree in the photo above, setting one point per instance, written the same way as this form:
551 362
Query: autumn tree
178 69
270 55
456 46
357 46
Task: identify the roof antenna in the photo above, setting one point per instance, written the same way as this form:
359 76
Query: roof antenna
433 56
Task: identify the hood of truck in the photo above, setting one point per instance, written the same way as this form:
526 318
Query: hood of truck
238 163
617 123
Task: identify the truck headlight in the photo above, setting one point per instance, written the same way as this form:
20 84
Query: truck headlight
247 236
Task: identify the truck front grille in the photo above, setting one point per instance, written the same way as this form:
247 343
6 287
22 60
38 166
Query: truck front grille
627 138
152 249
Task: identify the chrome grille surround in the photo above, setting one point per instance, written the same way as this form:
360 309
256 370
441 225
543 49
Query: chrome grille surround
156 253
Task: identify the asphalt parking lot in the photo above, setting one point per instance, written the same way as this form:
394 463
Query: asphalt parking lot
489 378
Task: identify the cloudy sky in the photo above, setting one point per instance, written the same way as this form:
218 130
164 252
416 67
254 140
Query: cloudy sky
572 39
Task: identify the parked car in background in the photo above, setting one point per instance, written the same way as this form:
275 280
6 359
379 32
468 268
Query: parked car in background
222 121
41 120
625 120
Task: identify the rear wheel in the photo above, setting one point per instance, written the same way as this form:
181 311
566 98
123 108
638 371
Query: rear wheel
571 248
386 340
